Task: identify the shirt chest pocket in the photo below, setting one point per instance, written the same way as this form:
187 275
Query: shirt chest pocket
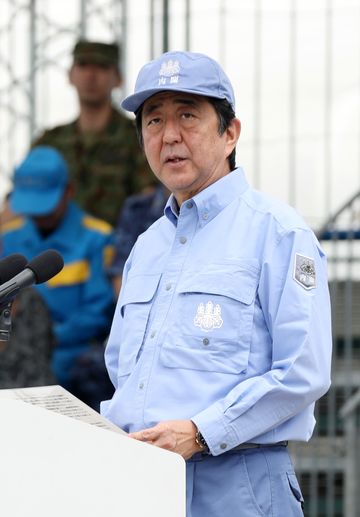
213 319
135 305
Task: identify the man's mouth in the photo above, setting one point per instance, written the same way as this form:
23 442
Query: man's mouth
174 159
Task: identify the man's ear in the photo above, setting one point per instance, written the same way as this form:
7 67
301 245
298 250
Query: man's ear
70 75
118 79
70 191
233 133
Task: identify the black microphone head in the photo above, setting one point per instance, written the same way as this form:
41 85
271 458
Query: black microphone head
11 266
46 265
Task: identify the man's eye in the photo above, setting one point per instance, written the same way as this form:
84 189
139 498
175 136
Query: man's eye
187 115
153 121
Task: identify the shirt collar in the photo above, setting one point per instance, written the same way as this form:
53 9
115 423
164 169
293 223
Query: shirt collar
69 227
171 210
212 200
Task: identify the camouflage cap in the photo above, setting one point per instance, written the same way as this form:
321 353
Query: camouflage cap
96 52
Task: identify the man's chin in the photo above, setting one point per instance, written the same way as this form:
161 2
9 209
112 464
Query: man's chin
92 102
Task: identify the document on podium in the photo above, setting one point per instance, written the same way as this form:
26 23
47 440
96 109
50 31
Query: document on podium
58 399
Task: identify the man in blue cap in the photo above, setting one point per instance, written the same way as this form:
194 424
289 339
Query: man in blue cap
80 297
221 340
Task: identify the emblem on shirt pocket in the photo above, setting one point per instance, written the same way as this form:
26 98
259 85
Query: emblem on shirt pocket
304 271
208 317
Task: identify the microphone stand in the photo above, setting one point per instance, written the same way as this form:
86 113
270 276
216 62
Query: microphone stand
5 321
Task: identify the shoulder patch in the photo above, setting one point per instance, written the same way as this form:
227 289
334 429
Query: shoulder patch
304 271
97 224
13 224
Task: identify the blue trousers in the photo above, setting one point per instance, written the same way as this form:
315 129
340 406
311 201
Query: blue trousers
248 483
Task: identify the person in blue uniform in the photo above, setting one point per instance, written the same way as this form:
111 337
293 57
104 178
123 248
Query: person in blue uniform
80 297
137 214
221 339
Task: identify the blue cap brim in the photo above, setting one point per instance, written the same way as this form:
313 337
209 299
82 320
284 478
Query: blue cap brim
134 101
27 202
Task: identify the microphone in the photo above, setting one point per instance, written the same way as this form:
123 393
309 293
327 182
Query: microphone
11 266
39 270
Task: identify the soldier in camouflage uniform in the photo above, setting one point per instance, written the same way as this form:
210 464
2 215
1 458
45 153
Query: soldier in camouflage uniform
100 146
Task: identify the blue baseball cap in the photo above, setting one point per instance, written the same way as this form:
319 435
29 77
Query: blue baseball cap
39 182
179 71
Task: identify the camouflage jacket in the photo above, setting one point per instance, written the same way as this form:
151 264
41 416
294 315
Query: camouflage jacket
105 167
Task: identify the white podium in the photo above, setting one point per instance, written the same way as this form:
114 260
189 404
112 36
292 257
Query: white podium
55 466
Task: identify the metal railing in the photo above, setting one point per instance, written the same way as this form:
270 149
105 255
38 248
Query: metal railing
328 466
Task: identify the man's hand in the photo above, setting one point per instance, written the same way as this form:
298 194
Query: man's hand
174 435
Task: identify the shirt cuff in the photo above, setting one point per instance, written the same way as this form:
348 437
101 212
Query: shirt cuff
219 437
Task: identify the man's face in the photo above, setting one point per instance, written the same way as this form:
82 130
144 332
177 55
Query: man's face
94 82
182 142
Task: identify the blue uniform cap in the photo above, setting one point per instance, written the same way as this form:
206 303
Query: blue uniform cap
39 182
178 71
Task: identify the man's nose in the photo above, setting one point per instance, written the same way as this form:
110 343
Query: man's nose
171 132
90 70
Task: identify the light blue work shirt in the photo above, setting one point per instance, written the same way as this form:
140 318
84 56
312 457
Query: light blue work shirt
223 318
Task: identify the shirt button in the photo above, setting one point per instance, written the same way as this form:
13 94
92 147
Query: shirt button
141 385
168 287
183 240
205 341
153 334
223 446
205 215
189 204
